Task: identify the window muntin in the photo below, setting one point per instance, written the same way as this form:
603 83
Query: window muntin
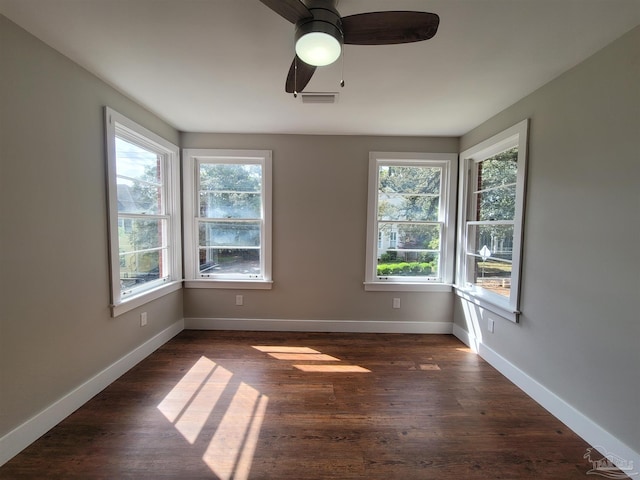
144 214
491 216
409 205
228 195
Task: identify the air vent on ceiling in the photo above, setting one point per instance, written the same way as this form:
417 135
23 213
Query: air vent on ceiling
319 97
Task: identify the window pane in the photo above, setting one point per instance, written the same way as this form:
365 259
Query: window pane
140 234
408 250
216 261
394 263
230 205
414 236
233 177
403 179
137 163
139 268
492 275
229 234
397 206
498 170
139 179
496 204
139 197
498 240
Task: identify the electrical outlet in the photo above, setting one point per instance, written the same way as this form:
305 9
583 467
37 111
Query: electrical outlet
143 319
396 303
239 300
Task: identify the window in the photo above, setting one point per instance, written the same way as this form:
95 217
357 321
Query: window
410 236
227 204
144 213
491 204
393 240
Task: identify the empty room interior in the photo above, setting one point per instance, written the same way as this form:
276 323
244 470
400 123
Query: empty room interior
223 257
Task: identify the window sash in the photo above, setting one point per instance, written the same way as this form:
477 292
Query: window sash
412 273
432 255
220 221
137 281
380 243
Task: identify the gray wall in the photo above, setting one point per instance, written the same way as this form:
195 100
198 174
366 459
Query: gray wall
579 332
319 232
55 326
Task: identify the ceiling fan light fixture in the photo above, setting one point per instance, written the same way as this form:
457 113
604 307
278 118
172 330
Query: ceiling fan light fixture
318 43
318 49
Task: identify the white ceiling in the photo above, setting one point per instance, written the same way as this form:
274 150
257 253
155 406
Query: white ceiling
220 65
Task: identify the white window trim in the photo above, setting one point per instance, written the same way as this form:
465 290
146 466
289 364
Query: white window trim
114 123
448 162
512 137
190 158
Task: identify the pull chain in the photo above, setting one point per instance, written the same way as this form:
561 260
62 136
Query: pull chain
342 74
295 77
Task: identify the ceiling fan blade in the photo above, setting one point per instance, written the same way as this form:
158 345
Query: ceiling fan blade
387 28
292 10
297 80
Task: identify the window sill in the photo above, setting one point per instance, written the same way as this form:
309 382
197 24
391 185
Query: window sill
504 311
230 284
406 287
145 297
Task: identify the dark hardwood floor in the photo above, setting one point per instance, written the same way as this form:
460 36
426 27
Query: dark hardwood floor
307 406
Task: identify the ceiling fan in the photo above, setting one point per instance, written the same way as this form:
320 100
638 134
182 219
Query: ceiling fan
321 32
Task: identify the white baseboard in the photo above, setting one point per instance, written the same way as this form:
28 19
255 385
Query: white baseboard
341 326
583 426
22 436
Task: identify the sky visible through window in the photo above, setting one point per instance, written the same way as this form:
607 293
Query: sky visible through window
132 159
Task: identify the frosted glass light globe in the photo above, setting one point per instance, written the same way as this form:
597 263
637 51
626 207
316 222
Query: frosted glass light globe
318 48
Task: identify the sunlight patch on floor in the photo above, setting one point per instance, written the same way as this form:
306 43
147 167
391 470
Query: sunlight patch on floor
429 366
231 450
190 405
283 349
332 368
193 418
316 357
464 349
181 395
306 354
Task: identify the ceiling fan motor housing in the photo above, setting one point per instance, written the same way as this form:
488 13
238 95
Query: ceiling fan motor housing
326 19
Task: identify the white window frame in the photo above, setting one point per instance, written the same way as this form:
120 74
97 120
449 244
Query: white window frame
192 158
117 124
448 163
515 136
